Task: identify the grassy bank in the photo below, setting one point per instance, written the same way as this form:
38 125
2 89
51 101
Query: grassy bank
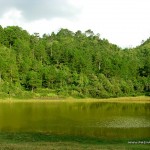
38 141
139 99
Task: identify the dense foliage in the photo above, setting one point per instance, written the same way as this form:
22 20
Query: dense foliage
70 64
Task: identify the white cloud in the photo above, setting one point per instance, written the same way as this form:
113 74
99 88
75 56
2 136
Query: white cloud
123 22
41 9
47 26
12 17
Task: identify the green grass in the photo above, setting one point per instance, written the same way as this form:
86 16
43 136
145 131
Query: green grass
41 141
139 99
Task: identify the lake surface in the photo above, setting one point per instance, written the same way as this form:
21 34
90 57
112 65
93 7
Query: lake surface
91 119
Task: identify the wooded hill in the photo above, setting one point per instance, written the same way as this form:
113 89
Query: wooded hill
70 64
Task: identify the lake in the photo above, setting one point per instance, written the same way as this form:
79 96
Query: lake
85 119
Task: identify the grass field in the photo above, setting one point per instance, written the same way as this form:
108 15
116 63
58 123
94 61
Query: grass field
38 141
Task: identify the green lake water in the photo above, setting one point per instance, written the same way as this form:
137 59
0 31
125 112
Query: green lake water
92 119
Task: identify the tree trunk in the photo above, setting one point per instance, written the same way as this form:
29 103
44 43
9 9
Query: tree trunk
99 66
11 79
0 77
32 89
51 49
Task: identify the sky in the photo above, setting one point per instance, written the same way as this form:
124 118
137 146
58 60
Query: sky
123 22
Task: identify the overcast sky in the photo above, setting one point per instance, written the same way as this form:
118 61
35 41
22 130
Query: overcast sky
123 22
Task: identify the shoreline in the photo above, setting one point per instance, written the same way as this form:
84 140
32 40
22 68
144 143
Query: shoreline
40 141
139 99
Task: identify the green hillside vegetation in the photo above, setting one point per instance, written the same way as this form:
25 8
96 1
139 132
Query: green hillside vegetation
67 64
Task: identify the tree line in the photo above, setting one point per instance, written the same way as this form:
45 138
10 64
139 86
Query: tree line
70 64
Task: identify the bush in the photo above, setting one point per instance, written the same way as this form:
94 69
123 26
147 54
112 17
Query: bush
4 95
24 95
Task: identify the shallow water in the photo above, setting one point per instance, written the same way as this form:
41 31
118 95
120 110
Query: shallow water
94 119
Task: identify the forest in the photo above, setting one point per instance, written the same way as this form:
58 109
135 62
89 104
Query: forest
72 64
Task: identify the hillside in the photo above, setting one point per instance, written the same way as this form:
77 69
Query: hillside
70 64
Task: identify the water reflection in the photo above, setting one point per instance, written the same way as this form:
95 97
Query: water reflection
85 119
